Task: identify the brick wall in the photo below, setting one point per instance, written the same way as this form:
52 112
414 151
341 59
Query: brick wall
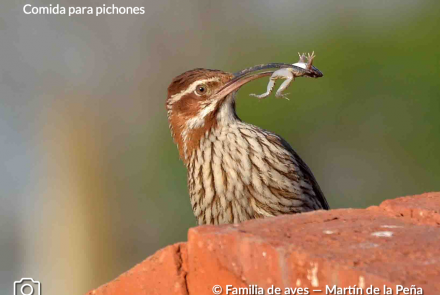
395 245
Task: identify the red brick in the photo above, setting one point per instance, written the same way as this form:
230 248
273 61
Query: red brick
422 209
162 273
317 249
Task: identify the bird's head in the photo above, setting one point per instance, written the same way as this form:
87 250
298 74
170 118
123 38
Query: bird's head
199 100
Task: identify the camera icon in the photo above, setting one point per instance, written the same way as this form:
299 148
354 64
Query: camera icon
27 286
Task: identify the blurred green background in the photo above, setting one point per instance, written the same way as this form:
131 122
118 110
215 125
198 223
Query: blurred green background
91 182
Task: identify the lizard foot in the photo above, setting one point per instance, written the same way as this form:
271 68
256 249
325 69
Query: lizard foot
282 95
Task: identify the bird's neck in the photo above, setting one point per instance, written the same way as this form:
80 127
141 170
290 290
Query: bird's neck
191 134
226 114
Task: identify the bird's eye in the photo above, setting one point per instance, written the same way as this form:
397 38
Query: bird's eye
201 89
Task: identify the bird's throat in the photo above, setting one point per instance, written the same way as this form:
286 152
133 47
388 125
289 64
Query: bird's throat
221 114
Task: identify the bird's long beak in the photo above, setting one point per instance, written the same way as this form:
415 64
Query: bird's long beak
235 83
256 72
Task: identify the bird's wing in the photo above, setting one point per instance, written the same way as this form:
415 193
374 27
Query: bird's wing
308 175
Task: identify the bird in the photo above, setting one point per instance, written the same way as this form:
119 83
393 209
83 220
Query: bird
236 171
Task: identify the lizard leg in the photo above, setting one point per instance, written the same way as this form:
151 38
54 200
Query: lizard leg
289 78
270 86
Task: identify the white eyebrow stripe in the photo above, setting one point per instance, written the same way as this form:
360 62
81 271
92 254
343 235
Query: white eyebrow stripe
176 97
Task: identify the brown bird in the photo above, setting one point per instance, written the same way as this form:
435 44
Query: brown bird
236 171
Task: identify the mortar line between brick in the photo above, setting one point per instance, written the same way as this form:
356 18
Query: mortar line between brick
283 267
180 269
